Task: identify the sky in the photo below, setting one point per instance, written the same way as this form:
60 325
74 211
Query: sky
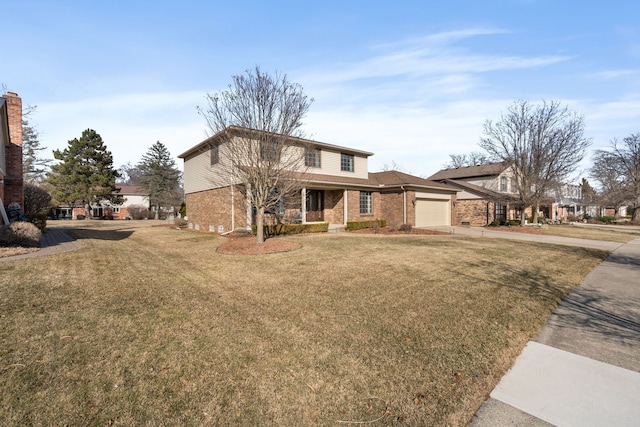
411 81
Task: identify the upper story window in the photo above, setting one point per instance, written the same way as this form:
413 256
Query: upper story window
214 154
346 162
270 151
504 187
312 157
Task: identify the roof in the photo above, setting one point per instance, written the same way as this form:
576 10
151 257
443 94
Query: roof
379 180
131 189
488 169
238 130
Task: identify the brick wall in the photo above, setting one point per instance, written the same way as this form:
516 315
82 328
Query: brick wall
13 184
476 212
213 208
392 208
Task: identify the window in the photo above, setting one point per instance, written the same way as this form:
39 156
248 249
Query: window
503 184
312 158
115 210
501 211
214 154
346 162
513 185
270 151
366 202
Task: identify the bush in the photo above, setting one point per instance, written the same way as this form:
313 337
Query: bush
271 230
359 225
22 234
37 204
405 227
607 219
180 222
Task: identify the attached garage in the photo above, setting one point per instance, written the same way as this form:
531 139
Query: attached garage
432 212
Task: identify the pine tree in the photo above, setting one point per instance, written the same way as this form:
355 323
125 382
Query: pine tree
160 176
34 167
85 173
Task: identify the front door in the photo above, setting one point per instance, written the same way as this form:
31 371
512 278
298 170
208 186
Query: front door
315 200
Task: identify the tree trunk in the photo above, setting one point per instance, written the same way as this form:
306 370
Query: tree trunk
534 219
157 212
523 216
636 214
260 225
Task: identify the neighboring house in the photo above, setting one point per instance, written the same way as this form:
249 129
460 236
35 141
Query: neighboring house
487 193
11 182
135 206
337 188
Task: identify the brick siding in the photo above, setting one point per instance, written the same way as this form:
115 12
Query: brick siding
208 210
13 184
477 212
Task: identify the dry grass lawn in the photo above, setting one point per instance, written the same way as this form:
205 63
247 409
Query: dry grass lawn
619 233
151 326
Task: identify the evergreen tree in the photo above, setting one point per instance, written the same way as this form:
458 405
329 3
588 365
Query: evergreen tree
85 173
34 167
160 176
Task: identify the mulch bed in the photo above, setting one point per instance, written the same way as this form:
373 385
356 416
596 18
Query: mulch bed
245 244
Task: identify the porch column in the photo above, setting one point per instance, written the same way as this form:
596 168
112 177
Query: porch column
304 205
249 209
346 207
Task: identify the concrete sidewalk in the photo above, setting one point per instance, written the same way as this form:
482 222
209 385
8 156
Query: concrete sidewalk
541 238
55 240
583 369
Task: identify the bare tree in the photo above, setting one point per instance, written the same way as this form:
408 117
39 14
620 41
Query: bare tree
257 126
474 158
543 144
618 173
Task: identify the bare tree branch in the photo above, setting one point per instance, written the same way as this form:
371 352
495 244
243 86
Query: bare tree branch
258 141
543 144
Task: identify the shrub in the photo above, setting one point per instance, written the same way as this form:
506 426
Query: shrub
359 225
607 219
22 234
37 204
180 222
405 227
271 230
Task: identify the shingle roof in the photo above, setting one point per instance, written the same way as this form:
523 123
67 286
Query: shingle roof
378 180
488 169
131 189
397 178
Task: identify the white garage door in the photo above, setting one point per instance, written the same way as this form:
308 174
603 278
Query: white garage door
432 212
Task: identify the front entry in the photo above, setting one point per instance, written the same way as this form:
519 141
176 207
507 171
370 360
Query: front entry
315 200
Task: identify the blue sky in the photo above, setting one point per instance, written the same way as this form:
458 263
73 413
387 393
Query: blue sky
411 81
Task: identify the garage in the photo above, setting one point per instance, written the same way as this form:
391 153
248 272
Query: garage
432 212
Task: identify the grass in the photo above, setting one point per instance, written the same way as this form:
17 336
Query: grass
151 326
621 233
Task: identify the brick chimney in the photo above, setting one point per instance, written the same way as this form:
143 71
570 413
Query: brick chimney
13 183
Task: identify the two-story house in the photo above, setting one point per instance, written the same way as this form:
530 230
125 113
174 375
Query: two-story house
488 193
336 188
135 205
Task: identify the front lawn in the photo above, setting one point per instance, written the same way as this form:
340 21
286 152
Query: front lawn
151 326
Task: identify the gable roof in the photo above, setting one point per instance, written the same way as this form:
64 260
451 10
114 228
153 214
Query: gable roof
378 181
131 189
237 130
488 169
395 178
